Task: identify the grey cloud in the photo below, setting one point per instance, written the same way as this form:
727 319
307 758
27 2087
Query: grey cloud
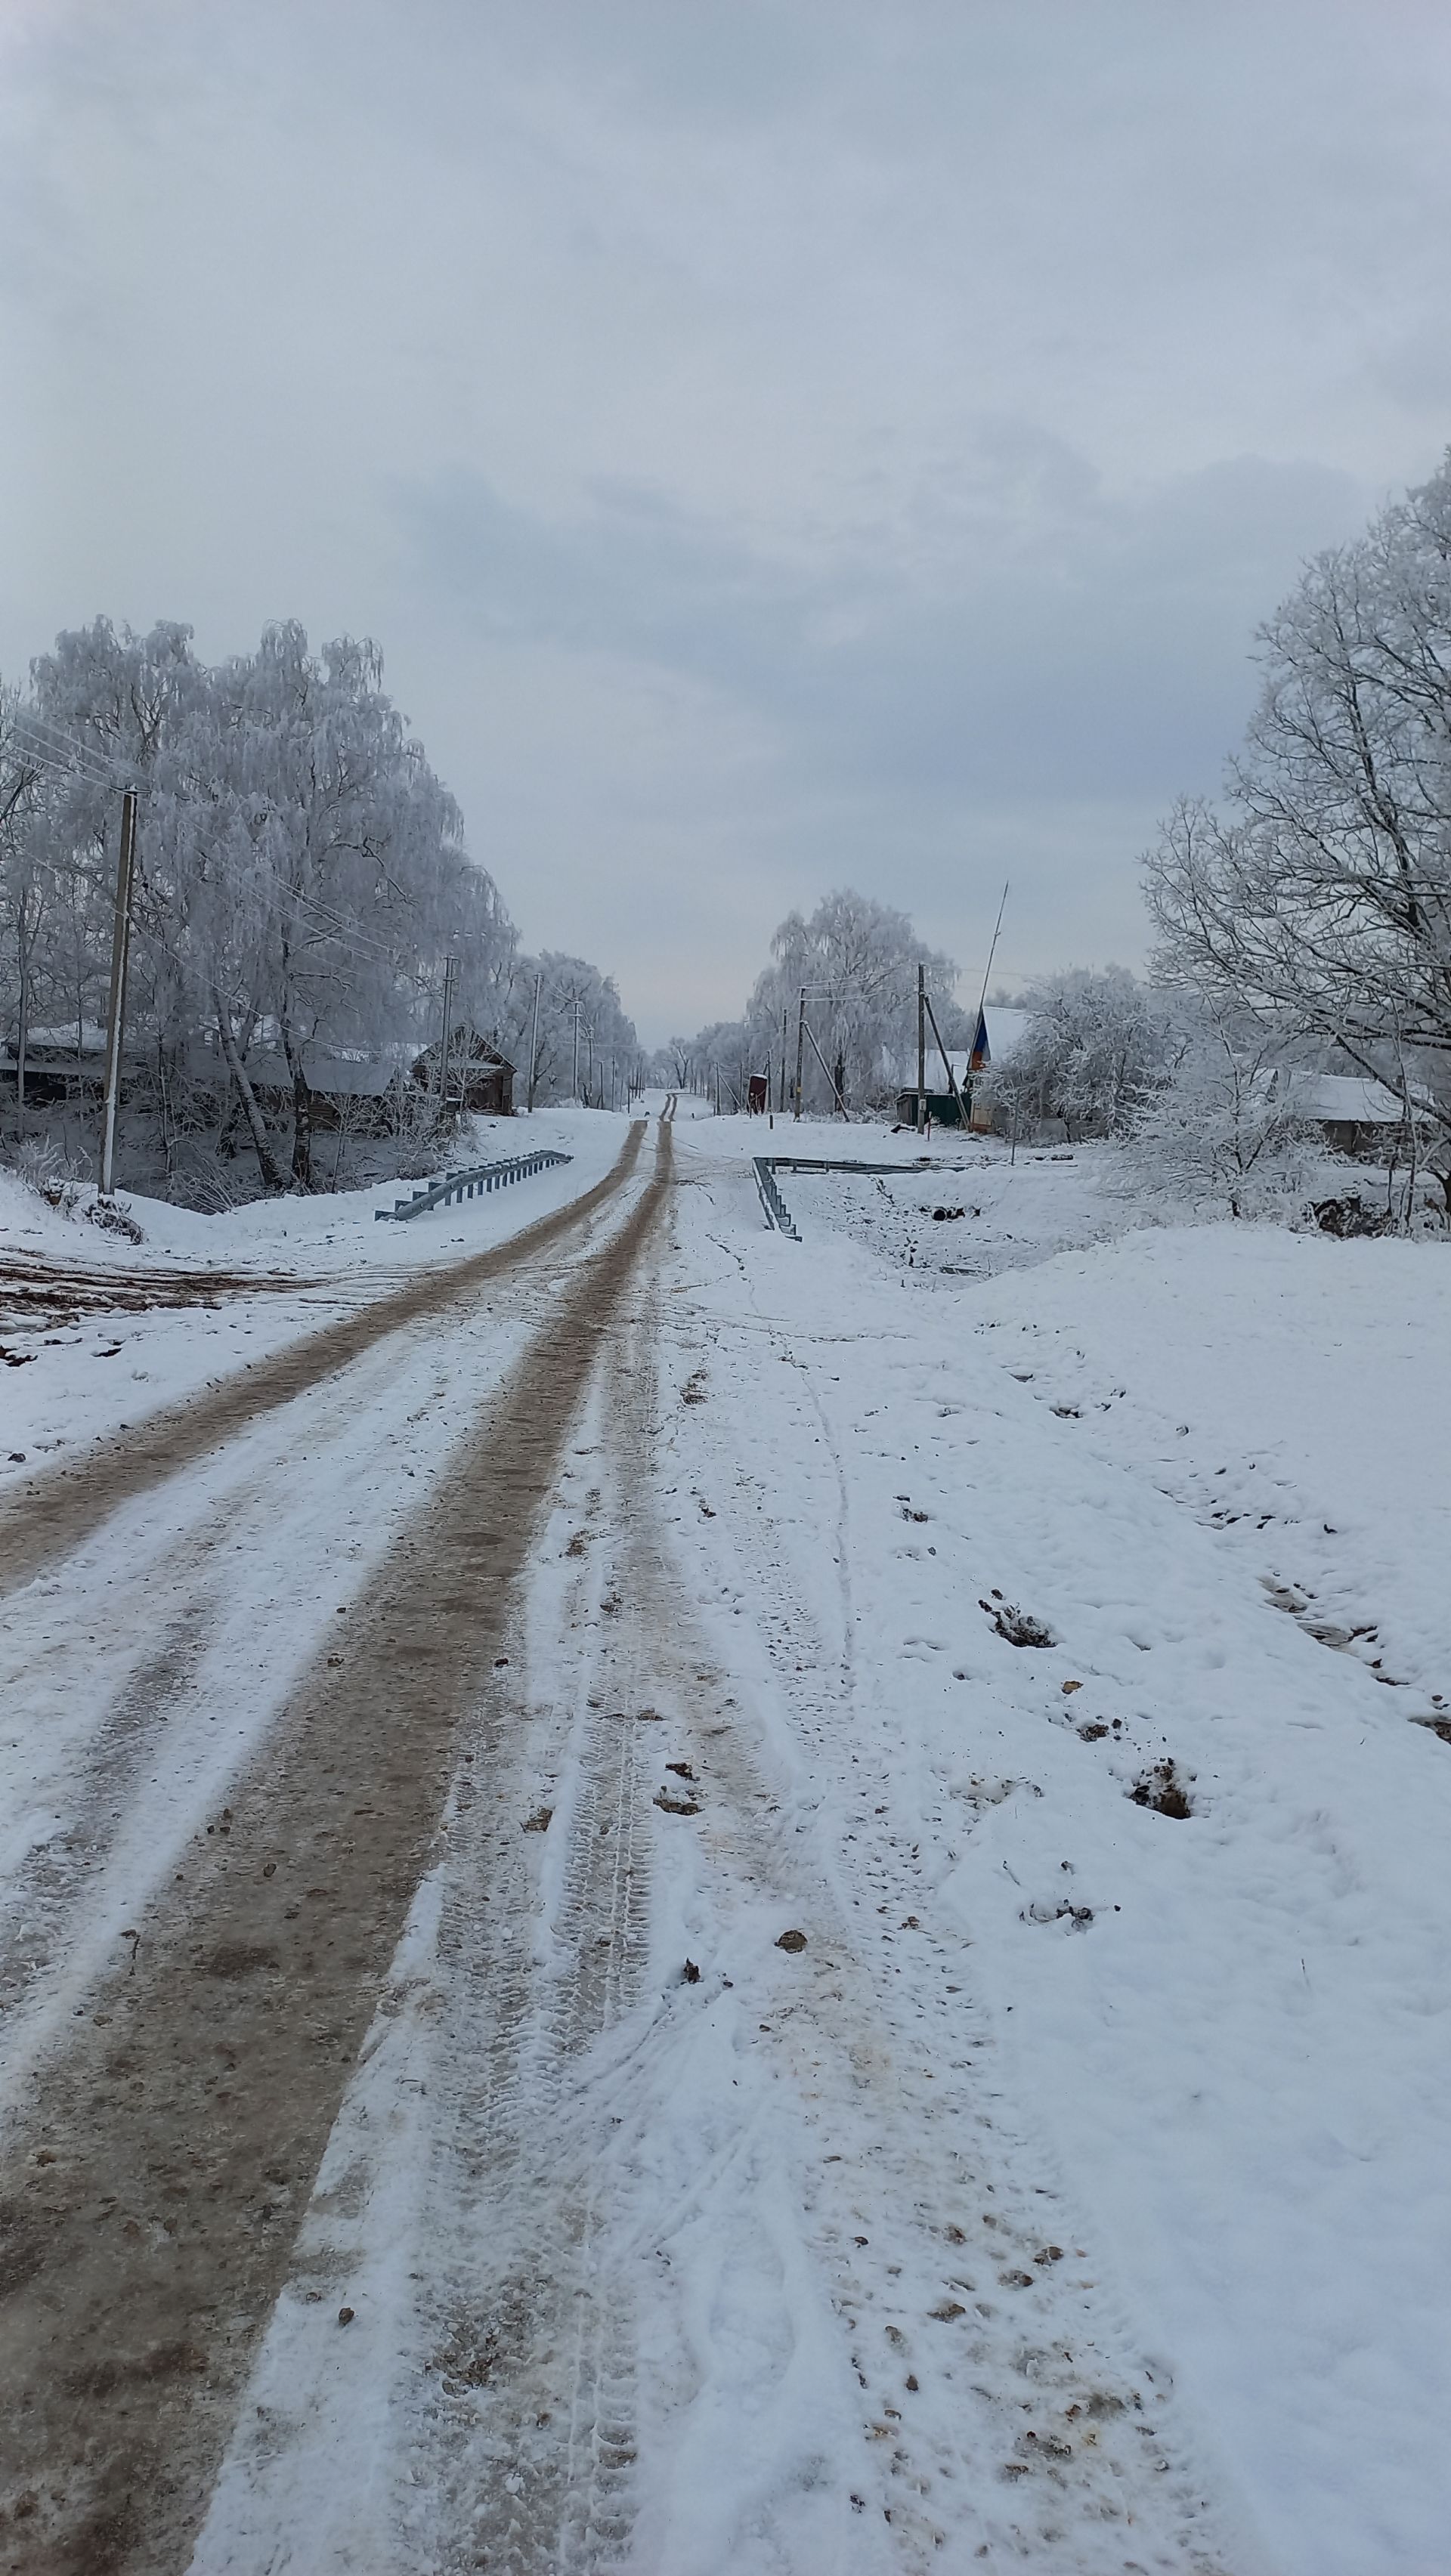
1091 647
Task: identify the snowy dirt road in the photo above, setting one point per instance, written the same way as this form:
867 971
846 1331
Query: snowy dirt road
183 2110
665 2043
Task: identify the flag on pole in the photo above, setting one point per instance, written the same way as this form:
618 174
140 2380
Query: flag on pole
981 1051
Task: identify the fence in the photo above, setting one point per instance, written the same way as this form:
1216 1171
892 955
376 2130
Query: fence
466 1185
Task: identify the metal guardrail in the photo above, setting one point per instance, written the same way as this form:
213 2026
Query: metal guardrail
777 1212
768 1165
813 1163
466 1185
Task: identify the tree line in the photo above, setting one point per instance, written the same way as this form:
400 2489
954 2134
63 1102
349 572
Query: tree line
855 963
301 877
1302 922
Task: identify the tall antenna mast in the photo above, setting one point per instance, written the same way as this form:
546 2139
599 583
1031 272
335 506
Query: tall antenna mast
988 968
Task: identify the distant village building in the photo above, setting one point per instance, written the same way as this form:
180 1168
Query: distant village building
64 1063
999 1030
355 1092
479 1078
1355 1114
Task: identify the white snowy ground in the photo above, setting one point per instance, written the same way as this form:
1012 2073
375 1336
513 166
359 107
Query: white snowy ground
1181 1451
75 1382
1074 2200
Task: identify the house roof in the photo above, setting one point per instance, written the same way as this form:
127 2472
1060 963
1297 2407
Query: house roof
1351 1099
465 1046
61 1040
346 1076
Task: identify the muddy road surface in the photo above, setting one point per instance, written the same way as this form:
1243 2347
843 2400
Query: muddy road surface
57 1510
153 2183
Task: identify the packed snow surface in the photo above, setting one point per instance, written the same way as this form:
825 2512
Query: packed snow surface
1041 1611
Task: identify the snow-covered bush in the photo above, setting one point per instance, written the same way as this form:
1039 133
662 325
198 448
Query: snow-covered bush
43 1168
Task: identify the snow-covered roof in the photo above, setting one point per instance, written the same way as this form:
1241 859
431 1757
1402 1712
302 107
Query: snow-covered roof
61 1040
1351 1099
1006 1029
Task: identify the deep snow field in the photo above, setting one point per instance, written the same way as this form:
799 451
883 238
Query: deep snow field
1075 2200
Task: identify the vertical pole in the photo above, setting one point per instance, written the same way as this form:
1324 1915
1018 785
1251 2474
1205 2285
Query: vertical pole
448 976
534 1044
800 1047
120 947
921 1046
575 1076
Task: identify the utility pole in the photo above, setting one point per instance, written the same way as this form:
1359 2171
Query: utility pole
800 1048
575 1084
921 1046
120 949
781 1086
450 970
534 1043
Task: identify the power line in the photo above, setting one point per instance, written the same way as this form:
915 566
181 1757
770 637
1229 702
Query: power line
48 740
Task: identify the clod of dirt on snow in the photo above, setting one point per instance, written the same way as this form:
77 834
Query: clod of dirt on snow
1080 1916
539 1822
676 1806
1018 1626
1164 1789
791 1941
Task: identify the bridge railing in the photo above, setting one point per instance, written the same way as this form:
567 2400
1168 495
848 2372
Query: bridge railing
777 1212
483 1178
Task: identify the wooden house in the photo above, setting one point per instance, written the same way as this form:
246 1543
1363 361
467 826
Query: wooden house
475 1077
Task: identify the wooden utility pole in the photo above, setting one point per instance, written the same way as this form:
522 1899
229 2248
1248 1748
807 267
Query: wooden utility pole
800 1048
576 1047
120 950
921 1046
450 970
964 1106
534 1044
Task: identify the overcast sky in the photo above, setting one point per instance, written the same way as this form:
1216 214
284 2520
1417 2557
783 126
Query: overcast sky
776 443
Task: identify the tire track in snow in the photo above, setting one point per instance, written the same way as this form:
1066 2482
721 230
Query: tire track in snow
151 2206
59 1509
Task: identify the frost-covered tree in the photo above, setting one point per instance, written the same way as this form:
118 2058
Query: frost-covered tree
1320 899
301 872
1097 1046
585 1047
1219 1128
858 961
24 881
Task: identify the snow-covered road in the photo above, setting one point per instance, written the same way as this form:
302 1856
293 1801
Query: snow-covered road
814 2118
